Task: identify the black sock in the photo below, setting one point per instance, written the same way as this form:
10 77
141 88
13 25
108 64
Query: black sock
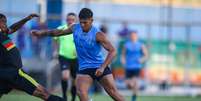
55 98
73 93
134 97
64 85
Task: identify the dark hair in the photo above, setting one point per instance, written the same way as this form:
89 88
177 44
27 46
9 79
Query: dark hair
133 31
2 16
85 13
71 13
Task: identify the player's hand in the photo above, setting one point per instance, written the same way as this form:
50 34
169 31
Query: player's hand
99 71
36 33
33 15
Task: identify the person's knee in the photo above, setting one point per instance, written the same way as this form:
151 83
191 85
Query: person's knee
65 78
41 92
130 85
65 75
81 91
73 82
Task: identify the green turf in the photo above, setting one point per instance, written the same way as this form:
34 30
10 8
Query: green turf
19 96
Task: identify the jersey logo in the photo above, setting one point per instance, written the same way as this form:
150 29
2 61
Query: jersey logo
8 44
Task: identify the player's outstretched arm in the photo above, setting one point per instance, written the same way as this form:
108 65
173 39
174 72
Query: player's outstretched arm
53 32
100 37
13 28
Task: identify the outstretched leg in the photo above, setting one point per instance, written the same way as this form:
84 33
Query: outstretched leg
26 83
108 84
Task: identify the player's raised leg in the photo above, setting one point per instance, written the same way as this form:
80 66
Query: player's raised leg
108 84
26 83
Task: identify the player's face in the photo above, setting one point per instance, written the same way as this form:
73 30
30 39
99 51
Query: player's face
86 24
134 36
3 24
70 19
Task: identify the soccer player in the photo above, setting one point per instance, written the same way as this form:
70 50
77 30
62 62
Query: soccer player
67 57
134 55
88 41
11 73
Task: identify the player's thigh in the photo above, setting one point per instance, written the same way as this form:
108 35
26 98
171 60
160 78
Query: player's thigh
25 82
64 66
83 83
108 83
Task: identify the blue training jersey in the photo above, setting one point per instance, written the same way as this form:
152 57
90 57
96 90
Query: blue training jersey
88 49
133 54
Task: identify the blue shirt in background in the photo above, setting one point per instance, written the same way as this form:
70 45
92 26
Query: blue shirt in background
133 54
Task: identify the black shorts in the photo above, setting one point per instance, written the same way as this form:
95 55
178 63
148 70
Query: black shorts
91 72
13 78
132 73
71 64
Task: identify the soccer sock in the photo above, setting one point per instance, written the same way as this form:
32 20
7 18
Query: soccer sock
73 93
133 98
64 85
55 98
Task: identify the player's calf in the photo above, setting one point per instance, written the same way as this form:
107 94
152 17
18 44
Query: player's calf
42 93
113 92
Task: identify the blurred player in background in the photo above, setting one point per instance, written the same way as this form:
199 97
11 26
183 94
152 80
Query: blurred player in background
134 55
67 57
11 74
88 41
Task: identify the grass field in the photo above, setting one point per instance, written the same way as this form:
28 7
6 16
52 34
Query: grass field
19 96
